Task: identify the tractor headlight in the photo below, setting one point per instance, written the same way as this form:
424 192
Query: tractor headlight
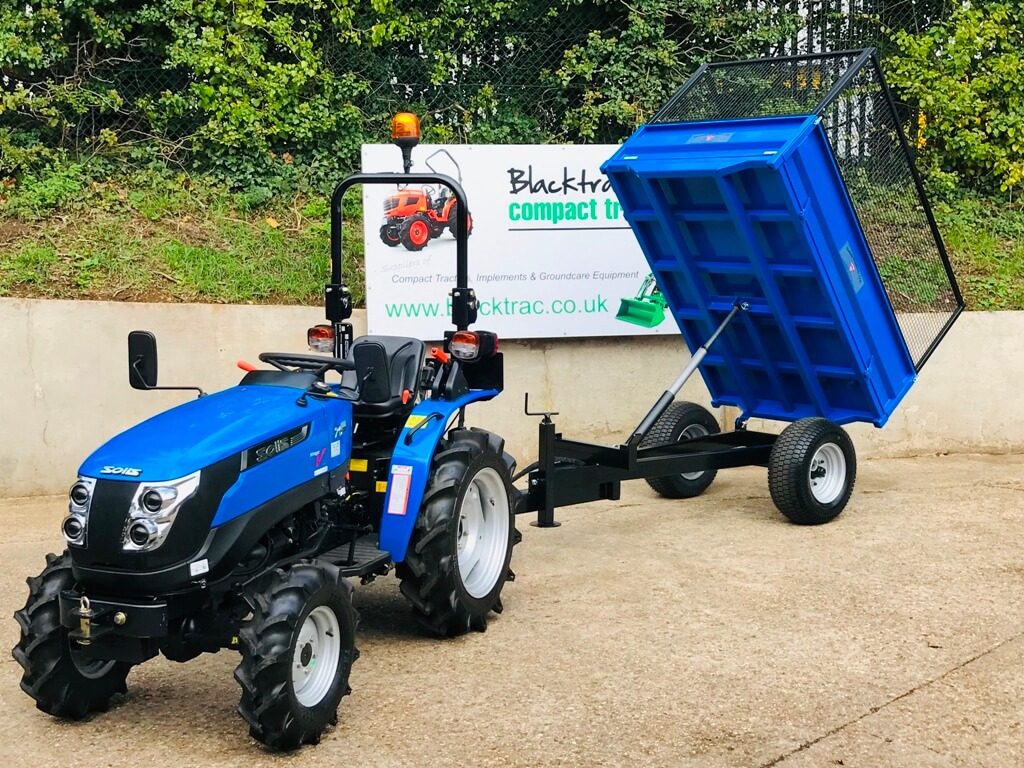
76 523
153 510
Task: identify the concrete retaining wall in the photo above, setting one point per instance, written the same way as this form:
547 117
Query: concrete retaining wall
65 386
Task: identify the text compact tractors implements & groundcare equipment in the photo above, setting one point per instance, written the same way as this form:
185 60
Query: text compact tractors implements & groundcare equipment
795 252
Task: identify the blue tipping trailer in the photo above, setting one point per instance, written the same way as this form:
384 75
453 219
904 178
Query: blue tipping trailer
778 206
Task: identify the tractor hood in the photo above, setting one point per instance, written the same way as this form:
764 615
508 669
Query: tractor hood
198 433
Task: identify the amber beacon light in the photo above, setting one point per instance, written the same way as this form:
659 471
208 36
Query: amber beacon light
405 132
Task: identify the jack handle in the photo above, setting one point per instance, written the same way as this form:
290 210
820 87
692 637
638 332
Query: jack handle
546 414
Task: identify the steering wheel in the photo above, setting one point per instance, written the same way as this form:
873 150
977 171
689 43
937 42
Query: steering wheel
288 361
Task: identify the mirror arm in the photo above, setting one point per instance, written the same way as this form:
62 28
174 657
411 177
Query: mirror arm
143 385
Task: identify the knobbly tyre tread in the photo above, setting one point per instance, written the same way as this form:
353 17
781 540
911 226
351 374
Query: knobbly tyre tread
404 232
43 651
667 429
789 465
427 575
280 601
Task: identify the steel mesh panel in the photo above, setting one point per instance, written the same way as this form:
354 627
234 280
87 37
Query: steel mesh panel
863 126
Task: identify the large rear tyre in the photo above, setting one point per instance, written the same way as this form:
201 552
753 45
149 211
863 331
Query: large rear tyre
415 232
297 652
811 471
453 221
682 421
62 680
459 554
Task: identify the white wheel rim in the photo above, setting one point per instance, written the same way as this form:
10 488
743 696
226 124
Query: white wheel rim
316 656
483 532
692 431
827 474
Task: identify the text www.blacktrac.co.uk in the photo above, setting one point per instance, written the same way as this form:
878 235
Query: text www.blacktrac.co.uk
502 307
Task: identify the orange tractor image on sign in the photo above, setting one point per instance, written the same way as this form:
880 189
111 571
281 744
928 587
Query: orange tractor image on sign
415 215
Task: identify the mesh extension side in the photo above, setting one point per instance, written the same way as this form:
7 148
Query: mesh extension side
864 128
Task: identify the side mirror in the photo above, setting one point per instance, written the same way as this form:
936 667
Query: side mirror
142 360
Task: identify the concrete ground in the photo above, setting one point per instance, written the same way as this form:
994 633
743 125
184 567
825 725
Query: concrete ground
644 632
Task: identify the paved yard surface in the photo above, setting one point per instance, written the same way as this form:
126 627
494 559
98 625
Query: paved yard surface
643 633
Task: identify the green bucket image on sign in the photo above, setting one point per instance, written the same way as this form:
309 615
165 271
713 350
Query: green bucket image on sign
647 309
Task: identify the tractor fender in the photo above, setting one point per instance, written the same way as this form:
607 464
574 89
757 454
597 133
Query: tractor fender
410 467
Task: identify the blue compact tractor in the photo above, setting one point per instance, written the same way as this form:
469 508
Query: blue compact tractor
236 519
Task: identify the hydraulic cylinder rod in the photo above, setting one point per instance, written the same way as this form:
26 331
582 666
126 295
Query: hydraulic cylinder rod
670 394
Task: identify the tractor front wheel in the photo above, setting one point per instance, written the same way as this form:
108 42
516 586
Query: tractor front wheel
415 232
297 652
63 681
682 421
389 235
459 554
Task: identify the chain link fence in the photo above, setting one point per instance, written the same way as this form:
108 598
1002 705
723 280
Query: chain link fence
522 79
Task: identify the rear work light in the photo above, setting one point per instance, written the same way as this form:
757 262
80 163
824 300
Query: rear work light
320 338
473 345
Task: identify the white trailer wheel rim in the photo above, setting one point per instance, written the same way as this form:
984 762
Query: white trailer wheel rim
692 431
483 532
827 473
316 656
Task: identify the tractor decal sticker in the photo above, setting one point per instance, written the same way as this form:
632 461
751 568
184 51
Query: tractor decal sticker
318 458
335 449
340 429
126 471
401 479
274 446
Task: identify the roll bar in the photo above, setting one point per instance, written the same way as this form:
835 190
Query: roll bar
463 298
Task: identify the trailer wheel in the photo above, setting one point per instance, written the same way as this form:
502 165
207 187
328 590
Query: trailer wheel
389 235
297 652
415 232
459 554
811 471
63 682
682 421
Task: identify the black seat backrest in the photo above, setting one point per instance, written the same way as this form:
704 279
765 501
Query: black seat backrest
386 366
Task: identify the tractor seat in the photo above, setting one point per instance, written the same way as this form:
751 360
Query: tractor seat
386 367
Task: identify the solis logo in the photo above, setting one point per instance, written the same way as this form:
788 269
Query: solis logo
126 471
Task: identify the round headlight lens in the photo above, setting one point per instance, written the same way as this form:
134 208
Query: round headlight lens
141 532
79 494
152 500
73 528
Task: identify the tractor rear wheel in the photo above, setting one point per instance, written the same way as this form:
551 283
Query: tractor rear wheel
811 471
389 235
415 232
297 652
453 221
62 680
459 554
682 421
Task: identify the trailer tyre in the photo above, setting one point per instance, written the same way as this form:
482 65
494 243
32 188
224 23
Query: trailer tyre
62 681
682 421
458 558
811 471
297 652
